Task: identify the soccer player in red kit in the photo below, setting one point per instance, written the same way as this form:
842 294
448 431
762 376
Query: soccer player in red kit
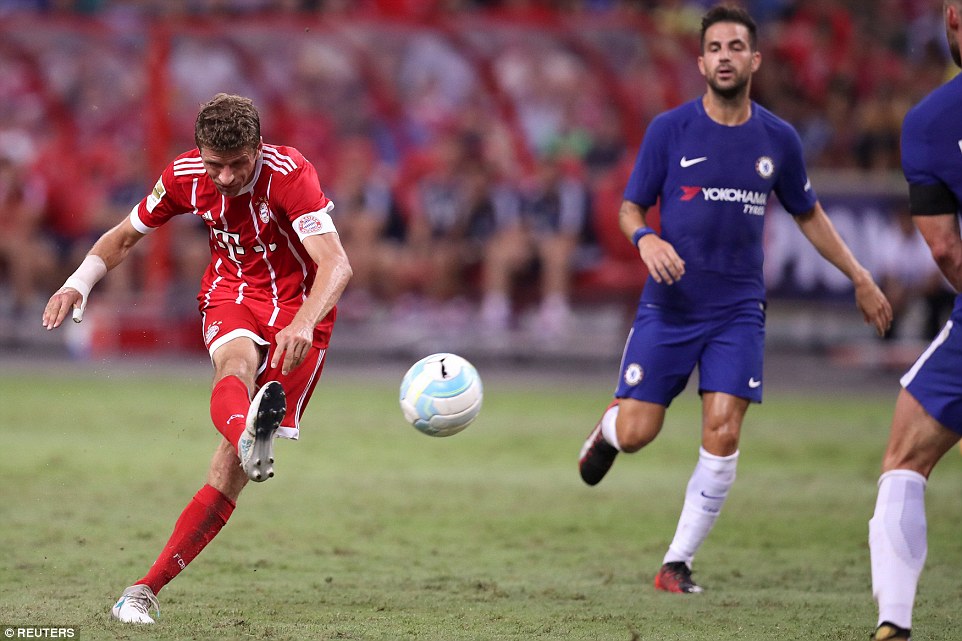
267 299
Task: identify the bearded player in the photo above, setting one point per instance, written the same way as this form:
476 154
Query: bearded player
712 164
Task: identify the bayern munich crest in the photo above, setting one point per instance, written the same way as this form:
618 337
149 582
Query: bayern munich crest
308 224
264 212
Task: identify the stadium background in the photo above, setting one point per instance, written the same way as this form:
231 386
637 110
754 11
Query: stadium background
388 534
97 96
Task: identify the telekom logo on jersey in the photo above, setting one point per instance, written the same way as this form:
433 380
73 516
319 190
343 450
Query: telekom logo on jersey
231 242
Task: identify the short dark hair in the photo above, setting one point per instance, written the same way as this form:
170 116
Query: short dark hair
729 13
227 122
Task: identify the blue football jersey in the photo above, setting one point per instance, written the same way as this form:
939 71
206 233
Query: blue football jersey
714 182
932 145
932 139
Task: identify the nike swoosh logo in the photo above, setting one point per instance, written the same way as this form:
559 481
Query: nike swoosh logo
709 496
752 383
685 162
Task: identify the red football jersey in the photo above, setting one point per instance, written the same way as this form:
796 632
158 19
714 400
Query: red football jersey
255 237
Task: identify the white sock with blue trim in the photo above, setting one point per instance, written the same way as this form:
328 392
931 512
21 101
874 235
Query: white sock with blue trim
897 542
706 493
608 430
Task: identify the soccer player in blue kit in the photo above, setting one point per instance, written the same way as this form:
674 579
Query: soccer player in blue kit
927 420
712 163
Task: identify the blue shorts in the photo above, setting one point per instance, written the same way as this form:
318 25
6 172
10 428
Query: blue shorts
663 348
936 378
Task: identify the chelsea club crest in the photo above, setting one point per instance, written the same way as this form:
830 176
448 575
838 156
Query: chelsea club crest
765 167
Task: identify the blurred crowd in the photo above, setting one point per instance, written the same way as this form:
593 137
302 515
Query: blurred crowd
476 150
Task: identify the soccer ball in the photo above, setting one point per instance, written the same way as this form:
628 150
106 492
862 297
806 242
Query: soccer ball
441 394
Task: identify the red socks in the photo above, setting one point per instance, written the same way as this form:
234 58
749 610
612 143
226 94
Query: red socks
229 403
200 522
209 510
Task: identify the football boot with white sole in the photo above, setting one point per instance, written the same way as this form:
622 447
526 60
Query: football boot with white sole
134 605
255 449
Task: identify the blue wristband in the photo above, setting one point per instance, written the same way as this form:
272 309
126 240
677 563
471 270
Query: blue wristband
640 233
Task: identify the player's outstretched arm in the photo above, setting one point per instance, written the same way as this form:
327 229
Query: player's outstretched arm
820 231
663 262
108 252
333 273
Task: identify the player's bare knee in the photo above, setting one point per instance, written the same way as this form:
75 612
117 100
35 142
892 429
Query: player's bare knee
631 439
721 440
239 357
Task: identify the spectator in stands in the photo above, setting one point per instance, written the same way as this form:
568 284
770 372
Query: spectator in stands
404 80
26 258
816 40
606 145
366 218
434 82
436 195
553 214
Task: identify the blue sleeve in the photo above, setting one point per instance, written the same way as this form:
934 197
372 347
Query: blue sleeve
930 164
917 158
651 166
793 188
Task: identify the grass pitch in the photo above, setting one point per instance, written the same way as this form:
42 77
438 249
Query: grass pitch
373 531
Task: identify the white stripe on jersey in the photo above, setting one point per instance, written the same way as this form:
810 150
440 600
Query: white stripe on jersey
297 256
290 245
264 252
279 168
187 166
282 163
299 406
242 286
213 285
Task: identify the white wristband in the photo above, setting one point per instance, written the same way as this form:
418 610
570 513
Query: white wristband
92 269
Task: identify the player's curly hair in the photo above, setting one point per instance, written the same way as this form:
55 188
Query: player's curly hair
729 13
227 123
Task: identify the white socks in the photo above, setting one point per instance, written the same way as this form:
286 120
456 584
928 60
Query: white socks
706 493
608 430
897 541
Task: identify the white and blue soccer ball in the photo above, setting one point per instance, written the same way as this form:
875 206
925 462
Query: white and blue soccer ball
441 394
